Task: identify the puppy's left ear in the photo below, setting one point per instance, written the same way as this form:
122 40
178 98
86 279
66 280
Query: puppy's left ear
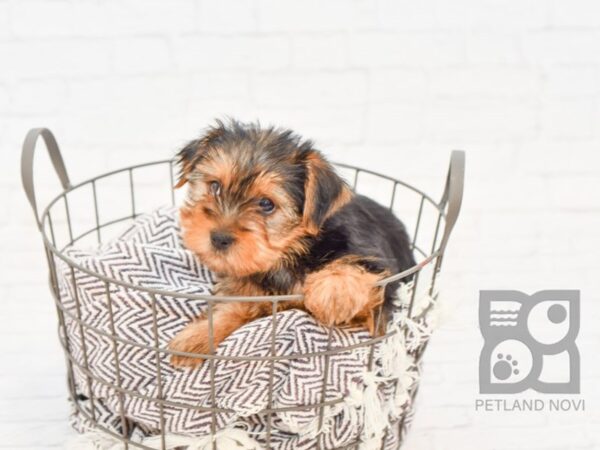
324 191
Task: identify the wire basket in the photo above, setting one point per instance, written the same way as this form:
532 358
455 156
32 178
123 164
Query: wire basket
81 214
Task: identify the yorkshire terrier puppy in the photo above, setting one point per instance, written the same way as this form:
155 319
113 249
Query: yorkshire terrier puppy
269 215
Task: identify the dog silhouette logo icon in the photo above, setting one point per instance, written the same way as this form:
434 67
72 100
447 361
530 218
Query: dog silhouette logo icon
529 342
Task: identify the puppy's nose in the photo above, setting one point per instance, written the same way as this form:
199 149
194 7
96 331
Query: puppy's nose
221 240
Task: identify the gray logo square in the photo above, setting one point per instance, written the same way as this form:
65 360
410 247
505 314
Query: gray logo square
524 334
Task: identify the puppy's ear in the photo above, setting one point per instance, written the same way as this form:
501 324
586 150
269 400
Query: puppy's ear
324 191
194 150
185 160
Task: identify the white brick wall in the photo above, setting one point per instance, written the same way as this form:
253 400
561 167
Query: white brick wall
390 85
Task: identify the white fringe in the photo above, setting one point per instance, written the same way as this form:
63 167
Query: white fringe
373 414
370 444
311 429
397 364
94 439
404 293
226 439
394 363
392 355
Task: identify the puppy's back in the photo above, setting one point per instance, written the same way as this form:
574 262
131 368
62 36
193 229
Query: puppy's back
364 228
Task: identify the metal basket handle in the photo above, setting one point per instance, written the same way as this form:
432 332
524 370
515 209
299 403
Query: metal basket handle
27 164
453 193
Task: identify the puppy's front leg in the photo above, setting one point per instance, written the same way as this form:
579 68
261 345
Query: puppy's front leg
227 317
343 292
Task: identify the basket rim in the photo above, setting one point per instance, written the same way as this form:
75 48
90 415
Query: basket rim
60 253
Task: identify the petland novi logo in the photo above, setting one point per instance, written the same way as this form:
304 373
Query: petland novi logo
529 343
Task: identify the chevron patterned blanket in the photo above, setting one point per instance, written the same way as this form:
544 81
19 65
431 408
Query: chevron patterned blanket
116 382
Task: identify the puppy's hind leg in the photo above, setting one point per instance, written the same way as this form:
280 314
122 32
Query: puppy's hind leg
343 293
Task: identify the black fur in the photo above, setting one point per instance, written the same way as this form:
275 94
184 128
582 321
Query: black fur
366 229
361 228
328 187
253 146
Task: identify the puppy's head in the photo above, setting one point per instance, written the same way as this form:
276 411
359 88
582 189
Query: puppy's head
253 197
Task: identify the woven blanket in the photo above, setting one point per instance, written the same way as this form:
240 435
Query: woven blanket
116 381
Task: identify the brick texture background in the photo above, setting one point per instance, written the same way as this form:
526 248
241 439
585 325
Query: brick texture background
388 85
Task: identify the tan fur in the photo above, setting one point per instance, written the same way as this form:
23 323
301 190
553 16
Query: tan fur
203 145
343 293
262 242
227 317
315 163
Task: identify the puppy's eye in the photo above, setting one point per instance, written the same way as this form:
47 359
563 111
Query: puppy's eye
266 205
215 187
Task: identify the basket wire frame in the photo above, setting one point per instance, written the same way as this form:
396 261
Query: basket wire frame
447 210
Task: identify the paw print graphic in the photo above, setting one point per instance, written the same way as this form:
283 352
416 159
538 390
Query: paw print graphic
505 367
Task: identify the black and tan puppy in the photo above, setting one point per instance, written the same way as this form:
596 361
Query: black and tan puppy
268 214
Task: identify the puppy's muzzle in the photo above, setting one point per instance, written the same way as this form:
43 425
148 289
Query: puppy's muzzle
221 240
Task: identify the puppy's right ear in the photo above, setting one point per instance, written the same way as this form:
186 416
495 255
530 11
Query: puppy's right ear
185 160
194 151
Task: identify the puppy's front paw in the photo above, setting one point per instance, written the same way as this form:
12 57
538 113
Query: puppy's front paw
341 293
192 339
